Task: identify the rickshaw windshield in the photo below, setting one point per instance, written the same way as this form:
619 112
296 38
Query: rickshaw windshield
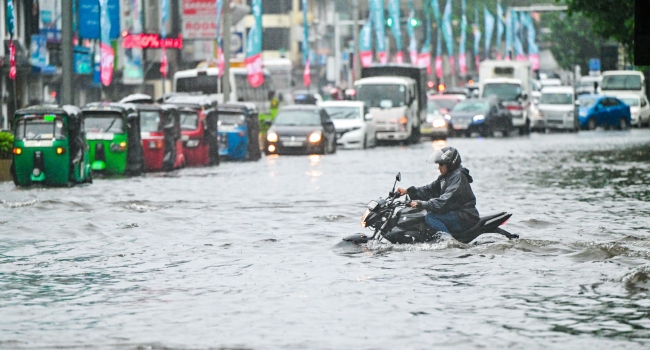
149 121
40 127
231 119
104 122
189 120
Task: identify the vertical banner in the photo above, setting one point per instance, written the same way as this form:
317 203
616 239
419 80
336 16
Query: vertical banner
365 44
254 47
533 49
424 58
105 47
49 20
436 15
477 36
9 26
394 13
449 35
164 8
306 75
500 29
519 48
462 60
132 72
377 14
489 29
508 36
413 45
220 58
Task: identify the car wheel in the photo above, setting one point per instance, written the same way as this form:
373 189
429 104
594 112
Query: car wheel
623 124
334 145
364 145
591 124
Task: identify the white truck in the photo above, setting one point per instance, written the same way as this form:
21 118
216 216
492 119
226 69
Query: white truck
510 82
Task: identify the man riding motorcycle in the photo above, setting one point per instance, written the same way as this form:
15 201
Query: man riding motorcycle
449 200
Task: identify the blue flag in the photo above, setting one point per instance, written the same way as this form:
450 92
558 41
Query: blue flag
377 14
394 13
413 45
500 28
489 29
9 18
446 29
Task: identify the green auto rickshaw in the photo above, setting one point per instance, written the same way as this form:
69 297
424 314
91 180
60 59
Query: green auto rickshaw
49 146
113 138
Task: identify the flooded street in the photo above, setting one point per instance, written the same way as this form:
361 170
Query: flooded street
249 255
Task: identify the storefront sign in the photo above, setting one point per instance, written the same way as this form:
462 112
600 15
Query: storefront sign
89 18
152 41
198 18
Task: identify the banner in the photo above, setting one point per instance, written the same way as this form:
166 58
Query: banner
377 15
509 36
424 58
365 44
254 47
131 18
306 76
220 58
413 45
477 36
462 61
448 35
12 60
164 9
533 49
500 29
519 48
49 19
197 17
106 50
89 19
489 29
394 13
436 15
9 18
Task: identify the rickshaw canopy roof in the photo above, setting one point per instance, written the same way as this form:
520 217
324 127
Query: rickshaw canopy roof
238 107
72 112
122 108
194 101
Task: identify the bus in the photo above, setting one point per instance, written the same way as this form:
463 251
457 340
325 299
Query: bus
281 70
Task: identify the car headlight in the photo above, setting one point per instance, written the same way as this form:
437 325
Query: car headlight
272 137
447 117
582 113
439 123
315 137
478 118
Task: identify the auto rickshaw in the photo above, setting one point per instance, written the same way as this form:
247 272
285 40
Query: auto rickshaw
239 131
161 137
113 137
50 146
199 128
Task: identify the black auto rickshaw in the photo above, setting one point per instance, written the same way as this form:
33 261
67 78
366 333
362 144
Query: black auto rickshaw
113 136
49 146
239 131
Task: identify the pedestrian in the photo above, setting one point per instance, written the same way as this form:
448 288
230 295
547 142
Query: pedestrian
449 200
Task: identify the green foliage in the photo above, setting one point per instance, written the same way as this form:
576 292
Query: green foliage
6 145
572 40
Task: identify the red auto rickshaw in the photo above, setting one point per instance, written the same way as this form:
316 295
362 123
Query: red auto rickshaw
161 137
199 128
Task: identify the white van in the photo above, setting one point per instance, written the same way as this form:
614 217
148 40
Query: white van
558 109
616 82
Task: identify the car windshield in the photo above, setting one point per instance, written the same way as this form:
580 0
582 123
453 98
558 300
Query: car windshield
587 101
621 82
382 95
505 92
231 119
150 121
630 101
446 103
40 127
432 107
587 83
189 120
205 84
103 122
556 99
307 117
343 112
471 106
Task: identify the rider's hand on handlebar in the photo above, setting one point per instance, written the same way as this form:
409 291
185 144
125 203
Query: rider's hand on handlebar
401 191
415 204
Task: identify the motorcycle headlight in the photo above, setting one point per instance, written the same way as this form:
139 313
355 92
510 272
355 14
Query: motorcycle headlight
439 123
272 137
314 137
364 217
478 118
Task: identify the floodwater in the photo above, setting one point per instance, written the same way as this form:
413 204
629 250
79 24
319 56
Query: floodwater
249 255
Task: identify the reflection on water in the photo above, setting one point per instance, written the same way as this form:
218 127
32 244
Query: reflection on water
249 255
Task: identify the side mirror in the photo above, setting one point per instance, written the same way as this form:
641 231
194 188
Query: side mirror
368 117
268 123
524 96
398 177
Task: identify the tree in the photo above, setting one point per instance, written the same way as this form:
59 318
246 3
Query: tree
572 40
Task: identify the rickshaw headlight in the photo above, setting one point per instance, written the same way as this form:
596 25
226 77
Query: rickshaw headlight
18 151
155 144
118 147
314 137
272 137
192 143
60 150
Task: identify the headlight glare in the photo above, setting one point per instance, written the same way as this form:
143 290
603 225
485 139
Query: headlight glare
439 123
315 137
272 137
478 118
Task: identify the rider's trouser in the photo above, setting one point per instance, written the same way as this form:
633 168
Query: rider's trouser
447 222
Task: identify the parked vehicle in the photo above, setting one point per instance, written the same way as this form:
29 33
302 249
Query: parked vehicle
305 97
483 116
396 96
639 109
301 129
239 131
558 108
537 122
199 128
50 146
436 125
161 137
548 82
605 111
354 125
113 138
618 82
446 102
588 85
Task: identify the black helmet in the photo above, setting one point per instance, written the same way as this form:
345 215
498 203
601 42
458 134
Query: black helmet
447 155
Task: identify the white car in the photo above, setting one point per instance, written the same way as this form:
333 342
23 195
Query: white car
557 107
639 108
354 126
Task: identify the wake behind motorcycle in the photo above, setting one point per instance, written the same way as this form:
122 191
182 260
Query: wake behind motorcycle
397 222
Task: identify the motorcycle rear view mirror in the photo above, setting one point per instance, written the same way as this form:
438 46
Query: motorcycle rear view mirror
398 177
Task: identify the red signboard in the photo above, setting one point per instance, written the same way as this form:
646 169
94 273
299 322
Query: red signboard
199 19
152 41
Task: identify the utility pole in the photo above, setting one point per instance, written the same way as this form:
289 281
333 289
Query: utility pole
355 33
225 77
66 52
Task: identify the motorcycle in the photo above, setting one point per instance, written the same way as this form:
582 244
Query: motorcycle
397 222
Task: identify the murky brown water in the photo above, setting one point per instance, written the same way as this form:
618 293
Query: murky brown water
248 255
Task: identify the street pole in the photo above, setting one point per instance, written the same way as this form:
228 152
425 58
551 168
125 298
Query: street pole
337 51
355 33
225 77
66 52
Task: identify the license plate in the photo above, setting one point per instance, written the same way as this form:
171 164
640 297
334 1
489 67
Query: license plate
426 130
292 144
460 127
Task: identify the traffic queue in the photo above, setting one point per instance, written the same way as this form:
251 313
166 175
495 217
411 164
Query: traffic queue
66 145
